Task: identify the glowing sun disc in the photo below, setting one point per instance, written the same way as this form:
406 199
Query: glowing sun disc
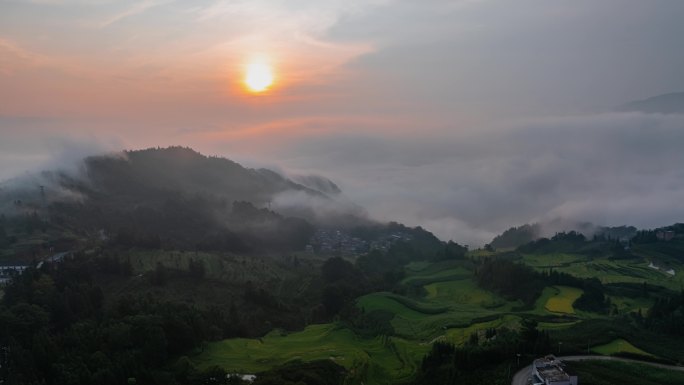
259 77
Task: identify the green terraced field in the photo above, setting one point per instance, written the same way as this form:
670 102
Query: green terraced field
611 271
462 291
452 300
626 305
556 325
400 306
619 346
555 260
460 336
441 276
425 320
452 308
562 301
380 360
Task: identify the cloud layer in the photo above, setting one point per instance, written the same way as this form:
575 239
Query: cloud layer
610 169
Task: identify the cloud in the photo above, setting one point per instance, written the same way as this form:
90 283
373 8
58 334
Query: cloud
610 169
422 112
14 58
25 149
135 9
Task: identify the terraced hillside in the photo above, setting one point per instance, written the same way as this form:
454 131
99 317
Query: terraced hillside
447 305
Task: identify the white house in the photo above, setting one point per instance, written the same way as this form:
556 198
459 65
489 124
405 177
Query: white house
551 371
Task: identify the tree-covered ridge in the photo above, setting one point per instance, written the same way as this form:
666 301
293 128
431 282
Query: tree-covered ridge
145 173
516 236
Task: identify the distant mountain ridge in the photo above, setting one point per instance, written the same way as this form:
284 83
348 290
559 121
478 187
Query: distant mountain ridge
521 235
672 103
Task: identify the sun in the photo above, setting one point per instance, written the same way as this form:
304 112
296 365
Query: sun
258 76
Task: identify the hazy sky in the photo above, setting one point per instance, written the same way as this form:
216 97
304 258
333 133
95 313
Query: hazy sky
466 116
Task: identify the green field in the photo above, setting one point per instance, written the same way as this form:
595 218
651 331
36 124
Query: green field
611 271
562 301
423 278
452 300
380 360
554 260
446 305
557 300
459 336
618 346
452 308
462 291
556 325
622 373
626 305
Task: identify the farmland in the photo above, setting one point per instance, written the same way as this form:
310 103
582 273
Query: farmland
377 360
441 301
618 346
611 271
624 373
562 300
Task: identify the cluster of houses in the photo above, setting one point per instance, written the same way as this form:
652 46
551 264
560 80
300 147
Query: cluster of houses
336 241
326 241
10 270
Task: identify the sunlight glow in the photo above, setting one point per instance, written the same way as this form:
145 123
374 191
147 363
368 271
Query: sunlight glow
258 76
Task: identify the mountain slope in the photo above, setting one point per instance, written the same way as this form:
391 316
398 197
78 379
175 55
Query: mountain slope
170 198
182 169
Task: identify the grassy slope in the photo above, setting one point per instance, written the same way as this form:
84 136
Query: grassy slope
618 346
452 309
620 373
447 312
562 301
453 303
609 271
379 360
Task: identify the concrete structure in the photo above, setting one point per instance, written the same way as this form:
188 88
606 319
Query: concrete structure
9 271
551 371
12 269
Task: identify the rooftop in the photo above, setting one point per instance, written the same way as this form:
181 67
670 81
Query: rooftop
551 369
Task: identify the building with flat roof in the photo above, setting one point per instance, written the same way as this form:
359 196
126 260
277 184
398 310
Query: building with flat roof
551 371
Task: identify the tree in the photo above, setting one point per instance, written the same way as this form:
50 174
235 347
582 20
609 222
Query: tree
160 275
196 267
335 269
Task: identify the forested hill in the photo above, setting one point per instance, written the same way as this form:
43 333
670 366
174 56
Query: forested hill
172 198
146 173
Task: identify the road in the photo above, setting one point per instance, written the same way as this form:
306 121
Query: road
521 377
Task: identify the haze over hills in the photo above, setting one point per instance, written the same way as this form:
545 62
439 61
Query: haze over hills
188 197
179 268
521 235
179 198
672 103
